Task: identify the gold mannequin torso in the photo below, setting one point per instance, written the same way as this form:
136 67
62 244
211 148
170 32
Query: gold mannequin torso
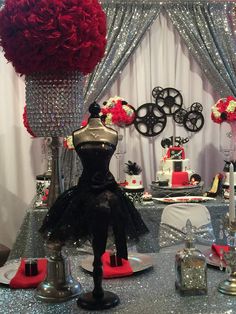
95 131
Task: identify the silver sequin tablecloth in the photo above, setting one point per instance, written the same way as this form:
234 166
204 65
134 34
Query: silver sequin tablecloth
30 244
149 292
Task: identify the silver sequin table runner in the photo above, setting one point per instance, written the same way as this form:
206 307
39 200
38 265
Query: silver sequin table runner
149 292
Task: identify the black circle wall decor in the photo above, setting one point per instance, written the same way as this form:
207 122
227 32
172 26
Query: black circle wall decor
185 140
193 121
170 100
196 106
179 116
156 91
150 119
166 142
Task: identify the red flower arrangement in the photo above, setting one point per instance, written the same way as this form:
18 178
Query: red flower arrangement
224 110
53 35
26 122
118 112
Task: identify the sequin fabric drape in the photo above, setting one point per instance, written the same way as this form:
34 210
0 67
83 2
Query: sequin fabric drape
207 27
127 22
208 30
72 167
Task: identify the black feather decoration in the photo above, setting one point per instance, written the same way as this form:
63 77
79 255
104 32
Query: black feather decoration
132 168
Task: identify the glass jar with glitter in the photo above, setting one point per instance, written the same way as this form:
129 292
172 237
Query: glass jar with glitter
190 267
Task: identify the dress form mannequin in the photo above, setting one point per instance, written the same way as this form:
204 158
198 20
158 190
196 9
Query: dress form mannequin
95 208
96 131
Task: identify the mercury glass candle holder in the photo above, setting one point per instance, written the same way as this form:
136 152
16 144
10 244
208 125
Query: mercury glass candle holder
190 267
59 285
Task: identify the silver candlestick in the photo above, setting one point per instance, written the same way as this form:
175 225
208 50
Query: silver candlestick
228 286
58 286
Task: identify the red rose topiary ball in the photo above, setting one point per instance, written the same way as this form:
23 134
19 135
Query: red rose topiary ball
26 122
52 35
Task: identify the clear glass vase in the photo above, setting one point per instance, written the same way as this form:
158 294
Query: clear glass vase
233 140
120 154
228 140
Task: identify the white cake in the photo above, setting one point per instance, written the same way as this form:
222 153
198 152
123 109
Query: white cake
174 168
133 181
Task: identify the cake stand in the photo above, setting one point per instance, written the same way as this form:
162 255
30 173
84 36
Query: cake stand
167 191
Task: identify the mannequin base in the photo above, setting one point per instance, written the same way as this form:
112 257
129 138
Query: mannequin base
87 301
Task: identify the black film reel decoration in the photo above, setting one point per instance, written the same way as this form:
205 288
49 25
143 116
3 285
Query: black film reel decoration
179 116
196 106
156 91
170 100
184 140
166 142
150 119
193 121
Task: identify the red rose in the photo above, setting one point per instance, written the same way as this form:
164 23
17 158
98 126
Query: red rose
53 35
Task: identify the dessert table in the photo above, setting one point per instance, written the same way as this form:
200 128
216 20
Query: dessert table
150 291
29 242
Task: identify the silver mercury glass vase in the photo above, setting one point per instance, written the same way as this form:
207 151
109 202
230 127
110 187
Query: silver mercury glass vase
58 286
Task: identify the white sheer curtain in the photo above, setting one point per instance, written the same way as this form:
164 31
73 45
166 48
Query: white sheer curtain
161 60
18 162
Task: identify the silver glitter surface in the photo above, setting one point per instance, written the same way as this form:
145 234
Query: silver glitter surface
54 103
29 242
168 235
194 278
209 33
207 27
147 292
127 23
71 167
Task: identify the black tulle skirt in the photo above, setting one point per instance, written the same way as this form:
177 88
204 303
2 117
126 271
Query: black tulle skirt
89 211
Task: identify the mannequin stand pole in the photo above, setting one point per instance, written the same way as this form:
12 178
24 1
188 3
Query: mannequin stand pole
98 299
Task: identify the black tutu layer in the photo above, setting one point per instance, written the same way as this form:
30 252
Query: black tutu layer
88 210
